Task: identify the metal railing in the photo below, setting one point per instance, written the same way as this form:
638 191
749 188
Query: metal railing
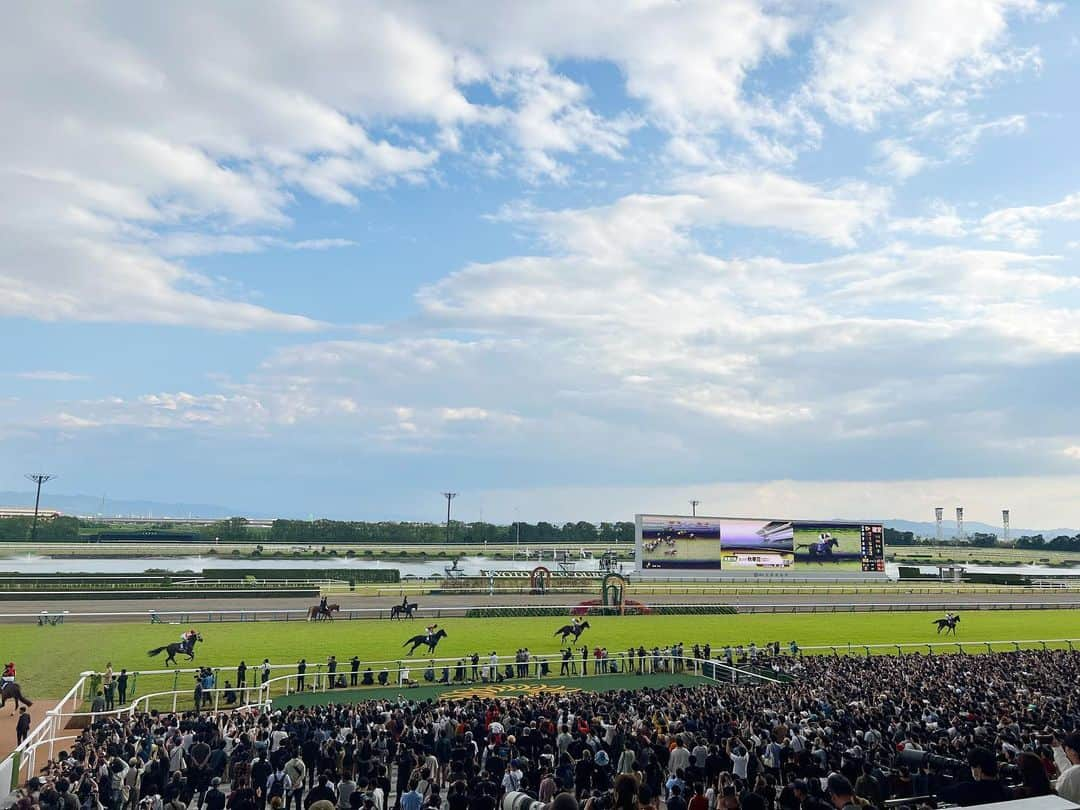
461 611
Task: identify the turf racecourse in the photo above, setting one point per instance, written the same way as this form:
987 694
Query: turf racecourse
50 658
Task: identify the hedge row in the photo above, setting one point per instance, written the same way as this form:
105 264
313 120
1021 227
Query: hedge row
158 594
357 576
596 610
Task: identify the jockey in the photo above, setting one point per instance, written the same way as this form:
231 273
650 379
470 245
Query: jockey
9 672
430 631
405 602
322 605
188 638
576 622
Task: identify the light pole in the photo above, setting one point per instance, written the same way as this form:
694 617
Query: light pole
449 497
693 507
39 479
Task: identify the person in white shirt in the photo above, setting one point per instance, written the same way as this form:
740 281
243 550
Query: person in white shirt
740 758
1067 759
679 758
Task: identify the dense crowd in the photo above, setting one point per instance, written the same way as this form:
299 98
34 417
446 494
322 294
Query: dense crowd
848 731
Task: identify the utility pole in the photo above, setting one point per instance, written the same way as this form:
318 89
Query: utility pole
39 479
449 497
693 507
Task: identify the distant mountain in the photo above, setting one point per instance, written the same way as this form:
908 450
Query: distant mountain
948 529
91 505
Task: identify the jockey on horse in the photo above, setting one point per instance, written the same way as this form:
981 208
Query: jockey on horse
9 673
188 640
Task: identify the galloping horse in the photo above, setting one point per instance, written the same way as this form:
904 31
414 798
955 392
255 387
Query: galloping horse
12 690
574 630
422 639
403 611
947 625
822 549
176 648
314 612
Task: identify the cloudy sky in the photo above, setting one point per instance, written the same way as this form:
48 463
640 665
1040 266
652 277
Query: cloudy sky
569 259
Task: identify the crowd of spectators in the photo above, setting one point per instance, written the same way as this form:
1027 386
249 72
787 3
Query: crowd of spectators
846 732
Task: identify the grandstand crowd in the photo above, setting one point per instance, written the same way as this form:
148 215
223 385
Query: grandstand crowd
846 732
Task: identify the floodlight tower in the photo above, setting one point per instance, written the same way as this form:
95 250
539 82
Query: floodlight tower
939 513
39 479
693 507
1004 525
960 523
449 497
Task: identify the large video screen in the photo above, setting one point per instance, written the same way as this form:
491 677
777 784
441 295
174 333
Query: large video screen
682 543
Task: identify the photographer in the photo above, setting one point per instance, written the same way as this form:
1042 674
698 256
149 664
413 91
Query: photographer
985 788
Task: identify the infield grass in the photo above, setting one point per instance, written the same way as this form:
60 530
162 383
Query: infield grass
49 659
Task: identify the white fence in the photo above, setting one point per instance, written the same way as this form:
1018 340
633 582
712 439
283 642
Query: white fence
460 611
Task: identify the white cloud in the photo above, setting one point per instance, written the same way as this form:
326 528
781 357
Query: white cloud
1036 502
899 159
658 223
194 243
1021 225
942 221
52 376
551 118
1072 451
882 56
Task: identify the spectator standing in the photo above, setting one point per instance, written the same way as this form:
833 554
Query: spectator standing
1067 759
109 685
22 725
301 668
122 686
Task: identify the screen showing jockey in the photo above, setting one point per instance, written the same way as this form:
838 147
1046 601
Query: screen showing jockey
430 630
9 672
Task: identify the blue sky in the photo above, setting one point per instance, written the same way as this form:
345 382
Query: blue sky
572 260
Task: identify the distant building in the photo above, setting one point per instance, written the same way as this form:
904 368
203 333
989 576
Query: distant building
28 512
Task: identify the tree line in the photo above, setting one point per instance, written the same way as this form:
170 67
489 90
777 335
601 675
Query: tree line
303 531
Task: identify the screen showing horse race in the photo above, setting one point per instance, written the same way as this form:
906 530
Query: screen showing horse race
681 543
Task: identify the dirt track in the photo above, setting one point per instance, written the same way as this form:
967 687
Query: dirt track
139 609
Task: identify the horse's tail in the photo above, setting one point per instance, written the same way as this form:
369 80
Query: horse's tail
19 696
407 643
157 651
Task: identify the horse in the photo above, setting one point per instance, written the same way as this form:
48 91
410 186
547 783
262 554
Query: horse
422 639
10 689
176 648
316 613
947 625
403 611
821 549
574 630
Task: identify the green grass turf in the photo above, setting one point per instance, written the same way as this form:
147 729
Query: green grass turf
50 658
